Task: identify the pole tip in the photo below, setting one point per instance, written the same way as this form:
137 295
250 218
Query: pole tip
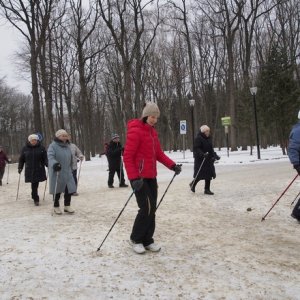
262 219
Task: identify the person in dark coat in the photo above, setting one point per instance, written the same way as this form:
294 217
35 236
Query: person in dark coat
3 160
61 179
142 151
34 156
294 156
204 157
115 164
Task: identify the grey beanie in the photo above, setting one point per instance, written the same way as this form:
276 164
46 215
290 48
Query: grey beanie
115 136
151 109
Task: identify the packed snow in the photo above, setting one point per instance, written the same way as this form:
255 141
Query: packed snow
213 247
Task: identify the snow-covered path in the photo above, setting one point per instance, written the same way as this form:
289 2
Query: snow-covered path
212 247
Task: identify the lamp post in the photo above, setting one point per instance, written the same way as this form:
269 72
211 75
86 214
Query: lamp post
253 91
192 104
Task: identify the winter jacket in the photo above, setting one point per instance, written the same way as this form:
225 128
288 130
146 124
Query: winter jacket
142 150
35 159
203 144
60 152
76 154
294 145
113 153
3 159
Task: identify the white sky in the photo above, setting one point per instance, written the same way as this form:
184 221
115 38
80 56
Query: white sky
11 40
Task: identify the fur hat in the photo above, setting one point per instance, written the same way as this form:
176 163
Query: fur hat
60 132
151 109
115 136
33 137
204 128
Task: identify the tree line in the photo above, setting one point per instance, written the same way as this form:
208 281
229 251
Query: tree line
93 64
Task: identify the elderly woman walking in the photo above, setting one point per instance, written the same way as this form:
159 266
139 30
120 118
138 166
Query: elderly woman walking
60 171
34 156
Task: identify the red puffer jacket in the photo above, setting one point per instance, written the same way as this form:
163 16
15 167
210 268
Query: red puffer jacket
142 150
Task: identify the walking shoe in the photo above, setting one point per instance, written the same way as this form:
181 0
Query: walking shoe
293 216
208 192
153 247
69 209
192 187
110 186
36 203
123 185
137 247
75 194
0 182
57 210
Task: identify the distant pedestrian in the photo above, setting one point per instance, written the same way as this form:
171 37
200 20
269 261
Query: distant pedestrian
60 171
76 157
142 151
115 162
204 158
3 160
34 156
104 149
294 156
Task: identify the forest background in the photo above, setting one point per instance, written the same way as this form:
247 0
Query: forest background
93 64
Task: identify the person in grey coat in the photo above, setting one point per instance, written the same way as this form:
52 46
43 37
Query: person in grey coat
60 171
76 157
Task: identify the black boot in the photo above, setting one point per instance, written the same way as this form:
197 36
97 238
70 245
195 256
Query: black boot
192 187
36 201
208 192
123 185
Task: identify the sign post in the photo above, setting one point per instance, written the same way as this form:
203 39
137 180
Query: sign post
183 132
226 122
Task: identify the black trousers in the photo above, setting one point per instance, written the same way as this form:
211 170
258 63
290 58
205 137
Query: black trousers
67 198
207 183
296 210
34 191
144 224
2 170
111 175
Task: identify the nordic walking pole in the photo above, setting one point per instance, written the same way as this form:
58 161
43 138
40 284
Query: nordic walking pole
198 171
55 189
7 173
166 191
79 173
115 221
18 187
45 188
264 217
295 198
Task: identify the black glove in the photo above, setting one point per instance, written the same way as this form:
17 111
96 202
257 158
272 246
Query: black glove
56 167
297 168
205 154
218 157
20 171
176 169
137 184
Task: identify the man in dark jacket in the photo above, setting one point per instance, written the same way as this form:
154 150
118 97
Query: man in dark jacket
3 161
204 157
294 156
115 163
34 156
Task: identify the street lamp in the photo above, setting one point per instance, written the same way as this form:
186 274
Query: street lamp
192 104
253 91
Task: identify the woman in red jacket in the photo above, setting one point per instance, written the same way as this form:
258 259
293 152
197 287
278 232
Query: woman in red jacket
142 151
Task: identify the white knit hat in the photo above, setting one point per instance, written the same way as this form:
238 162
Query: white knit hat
33 137
60 132
204 128
151 109
299 115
